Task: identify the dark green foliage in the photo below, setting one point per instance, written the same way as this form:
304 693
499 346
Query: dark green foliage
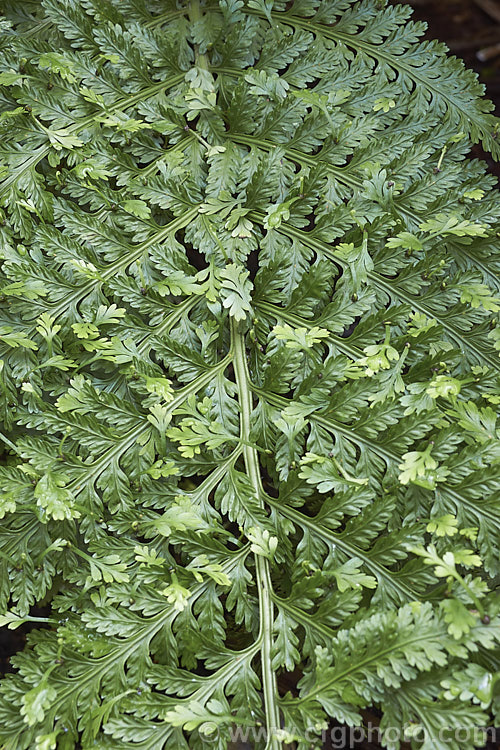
249 375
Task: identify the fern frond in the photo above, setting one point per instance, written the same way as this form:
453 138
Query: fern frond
248 375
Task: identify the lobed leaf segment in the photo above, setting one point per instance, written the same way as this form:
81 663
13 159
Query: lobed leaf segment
249 376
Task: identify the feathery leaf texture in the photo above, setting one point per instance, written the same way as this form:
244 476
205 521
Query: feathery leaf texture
249 375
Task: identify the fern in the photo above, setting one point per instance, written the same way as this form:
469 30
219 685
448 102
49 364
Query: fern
249 375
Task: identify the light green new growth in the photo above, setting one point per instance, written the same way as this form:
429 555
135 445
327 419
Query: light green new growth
248 376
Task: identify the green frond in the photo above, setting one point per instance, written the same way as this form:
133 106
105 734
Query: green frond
249 361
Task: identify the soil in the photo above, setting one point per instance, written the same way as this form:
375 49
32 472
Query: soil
471 29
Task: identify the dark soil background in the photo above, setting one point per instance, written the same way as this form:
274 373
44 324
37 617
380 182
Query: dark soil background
471 29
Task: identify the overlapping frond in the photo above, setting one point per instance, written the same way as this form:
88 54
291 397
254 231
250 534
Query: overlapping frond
249 374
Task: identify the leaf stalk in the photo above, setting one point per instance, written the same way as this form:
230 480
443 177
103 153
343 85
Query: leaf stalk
261 563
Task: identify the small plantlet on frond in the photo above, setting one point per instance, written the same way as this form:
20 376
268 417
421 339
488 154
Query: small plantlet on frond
249 375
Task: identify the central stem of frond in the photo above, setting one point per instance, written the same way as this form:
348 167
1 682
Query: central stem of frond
264 584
